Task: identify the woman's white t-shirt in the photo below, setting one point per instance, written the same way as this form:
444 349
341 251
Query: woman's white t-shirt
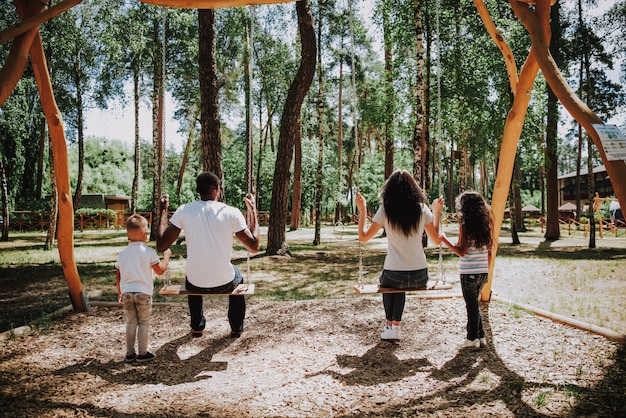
404 253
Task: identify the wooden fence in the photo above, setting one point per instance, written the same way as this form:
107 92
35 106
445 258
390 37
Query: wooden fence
29 221
38 221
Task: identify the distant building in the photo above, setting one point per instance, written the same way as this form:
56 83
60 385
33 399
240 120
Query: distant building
567 186
101 201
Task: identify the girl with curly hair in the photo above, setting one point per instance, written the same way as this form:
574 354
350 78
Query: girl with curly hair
474 247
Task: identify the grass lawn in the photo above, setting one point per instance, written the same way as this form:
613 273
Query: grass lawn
563 276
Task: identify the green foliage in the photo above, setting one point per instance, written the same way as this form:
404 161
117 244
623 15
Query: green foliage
108 166
100 48
111 214
531 198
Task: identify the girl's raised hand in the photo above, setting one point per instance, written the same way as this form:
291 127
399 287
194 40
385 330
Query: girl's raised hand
438 205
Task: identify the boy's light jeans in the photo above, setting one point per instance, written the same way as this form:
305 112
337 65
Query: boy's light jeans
138 308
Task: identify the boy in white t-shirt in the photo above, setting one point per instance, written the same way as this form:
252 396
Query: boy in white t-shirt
134 283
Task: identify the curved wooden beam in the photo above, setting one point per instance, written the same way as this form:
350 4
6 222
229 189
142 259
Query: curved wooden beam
36 20
17 60
577 109
65 227
507 54
510 140
211 4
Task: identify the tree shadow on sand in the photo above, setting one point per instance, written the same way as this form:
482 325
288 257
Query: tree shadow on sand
167 368
377 365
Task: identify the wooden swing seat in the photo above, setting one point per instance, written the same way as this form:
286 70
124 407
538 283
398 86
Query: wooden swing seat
374 288
179 289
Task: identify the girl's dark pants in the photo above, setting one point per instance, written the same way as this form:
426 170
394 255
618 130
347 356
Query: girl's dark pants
236 304
472 284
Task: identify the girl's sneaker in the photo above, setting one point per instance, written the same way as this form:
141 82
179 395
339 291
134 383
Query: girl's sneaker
390 332
470 344
483 342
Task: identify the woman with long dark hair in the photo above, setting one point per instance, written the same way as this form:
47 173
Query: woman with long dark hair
405 216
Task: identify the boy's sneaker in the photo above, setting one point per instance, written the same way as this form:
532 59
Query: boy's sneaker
146 357
390 332
470 344
130 358
483 342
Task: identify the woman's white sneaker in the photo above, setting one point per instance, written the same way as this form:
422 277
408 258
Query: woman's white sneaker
390 332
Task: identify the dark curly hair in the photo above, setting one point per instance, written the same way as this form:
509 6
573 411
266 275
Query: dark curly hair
476 219
401 197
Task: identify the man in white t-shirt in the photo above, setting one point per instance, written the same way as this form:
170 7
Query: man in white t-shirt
210 226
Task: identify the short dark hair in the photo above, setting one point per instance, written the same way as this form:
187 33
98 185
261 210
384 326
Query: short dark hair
206 181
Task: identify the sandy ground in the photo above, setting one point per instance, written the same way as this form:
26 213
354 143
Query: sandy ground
317 358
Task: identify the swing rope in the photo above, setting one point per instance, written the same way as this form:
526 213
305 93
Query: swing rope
440 283
355 122
438 140
250 139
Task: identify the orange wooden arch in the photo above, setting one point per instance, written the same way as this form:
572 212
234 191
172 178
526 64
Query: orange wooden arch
536 20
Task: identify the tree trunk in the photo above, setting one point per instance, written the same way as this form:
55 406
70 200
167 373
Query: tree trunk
5 203
552 191
183 164
517 198
420 143
579 161
591 179
338 207
321 130
435 151
463 176
296 195
137 159
579 154
40 160
210 134
54 208
80 131
157 122
389 92
591 186
553 230
512 216
289 129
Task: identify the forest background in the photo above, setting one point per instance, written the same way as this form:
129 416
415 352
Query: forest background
362 115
